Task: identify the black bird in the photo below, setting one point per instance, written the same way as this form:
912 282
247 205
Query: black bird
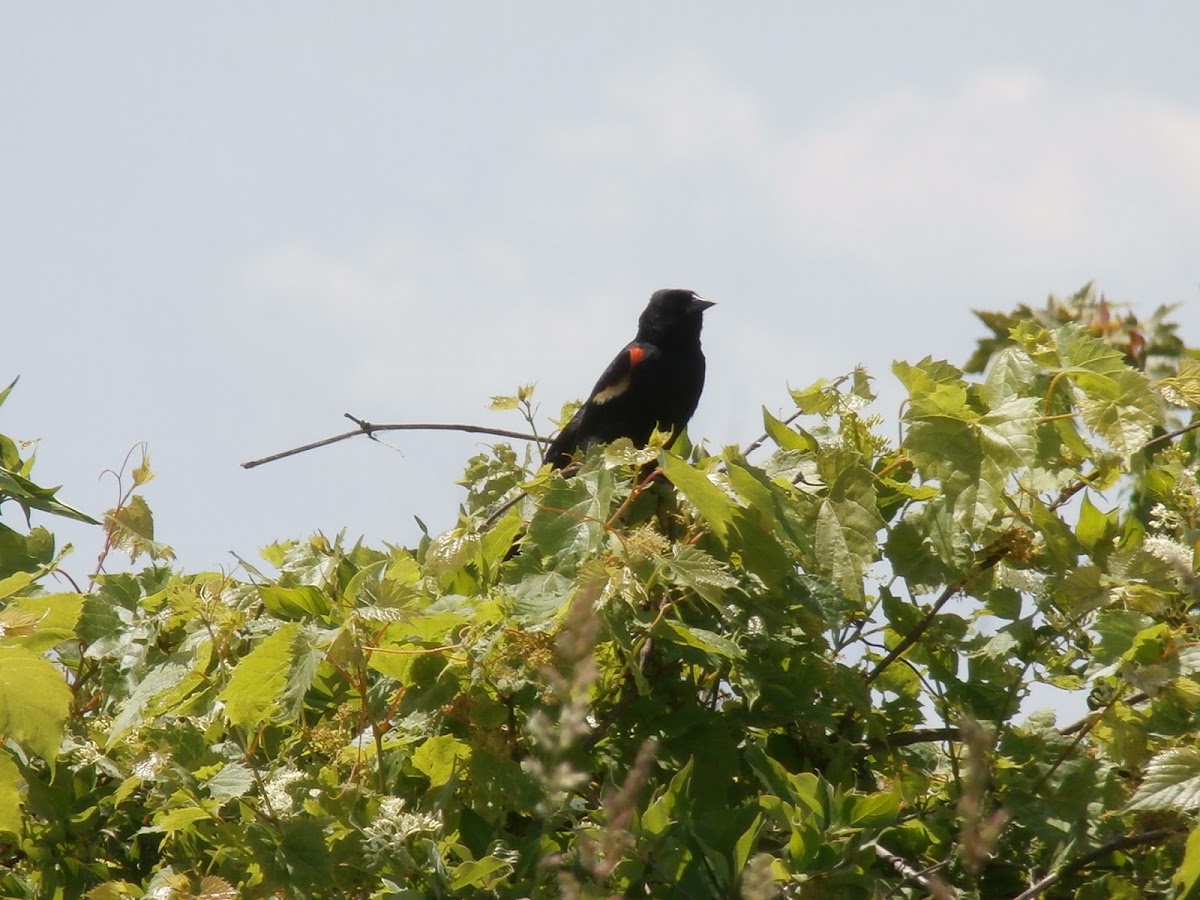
655 381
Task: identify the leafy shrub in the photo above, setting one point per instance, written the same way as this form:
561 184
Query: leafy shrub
795 669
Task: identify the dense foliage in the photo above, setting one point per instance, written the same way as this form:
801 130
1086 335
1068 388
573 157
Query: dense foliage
791 669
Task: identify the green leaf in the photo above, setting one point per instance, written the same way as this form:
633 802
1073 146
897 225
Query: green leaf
234 780
51 621
255 692
716 647
787 437
10 781
484 873
660 813
745 844
1094 526
1123 410
713 504
847 528
31 496
1171 782
438 757
34 701
25 552
874 810
295 602
701 572
175 820
1011 374
568 522
1188 873
132 527
502 403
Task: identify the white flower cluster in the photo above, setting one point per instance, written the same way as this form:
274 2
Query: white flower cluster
1164 518
149 766
1026 581
276 790
1172 552
394 825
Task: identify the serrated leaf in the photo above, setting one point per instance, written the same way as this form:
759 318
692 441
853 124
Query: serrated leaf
483 874
234 780
295 602
49 620
717 648
450 551
10 792
1188 873
132 527
24 552
503 403
1011 374
157 680
438 757
34 701
713 504
847 528
702 573
175 820
1171 782
1183 389
214 888
15 583
568 522
255 693
114 890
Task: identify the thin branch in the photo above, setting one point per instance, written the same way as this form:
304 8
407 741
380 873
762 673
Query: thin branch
1090 719
1163 438
951 589
367 428
762 439
908 738
923 878
1124 842
1084 480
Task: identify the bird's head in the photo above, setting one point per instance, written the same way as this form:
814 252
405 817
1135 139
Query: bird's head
672 314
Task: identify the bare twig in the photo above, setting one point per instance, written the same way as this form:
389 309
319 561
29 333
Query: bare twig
1124 842
908 738
923 878
997 553
369 429
1084 480
1090 719
1163 438
762 439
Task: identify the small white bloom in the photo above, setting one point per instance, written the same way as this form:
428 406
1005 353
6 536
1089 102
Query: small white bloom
149 766
1172 552
276 789
1164 519
1025 580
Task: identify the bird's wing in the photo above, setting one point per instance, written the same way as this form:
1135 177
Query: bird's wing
616 377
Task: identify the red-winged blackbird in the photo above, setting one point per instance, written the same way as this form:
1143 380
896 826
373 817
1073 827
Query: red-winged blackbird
654 382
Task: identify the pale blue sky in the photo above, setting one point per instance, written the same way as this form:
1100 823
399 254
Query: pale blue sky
225 224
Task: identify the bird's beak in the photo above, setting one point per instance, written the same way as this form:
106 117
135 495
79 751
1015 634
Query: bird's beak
699 304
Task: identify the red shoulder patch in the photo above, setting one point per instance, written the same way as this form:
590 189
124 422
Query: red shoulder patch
636 355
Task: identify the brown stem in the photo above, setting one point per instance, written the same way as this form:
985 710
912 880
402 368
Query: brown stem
369 429
1124 842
